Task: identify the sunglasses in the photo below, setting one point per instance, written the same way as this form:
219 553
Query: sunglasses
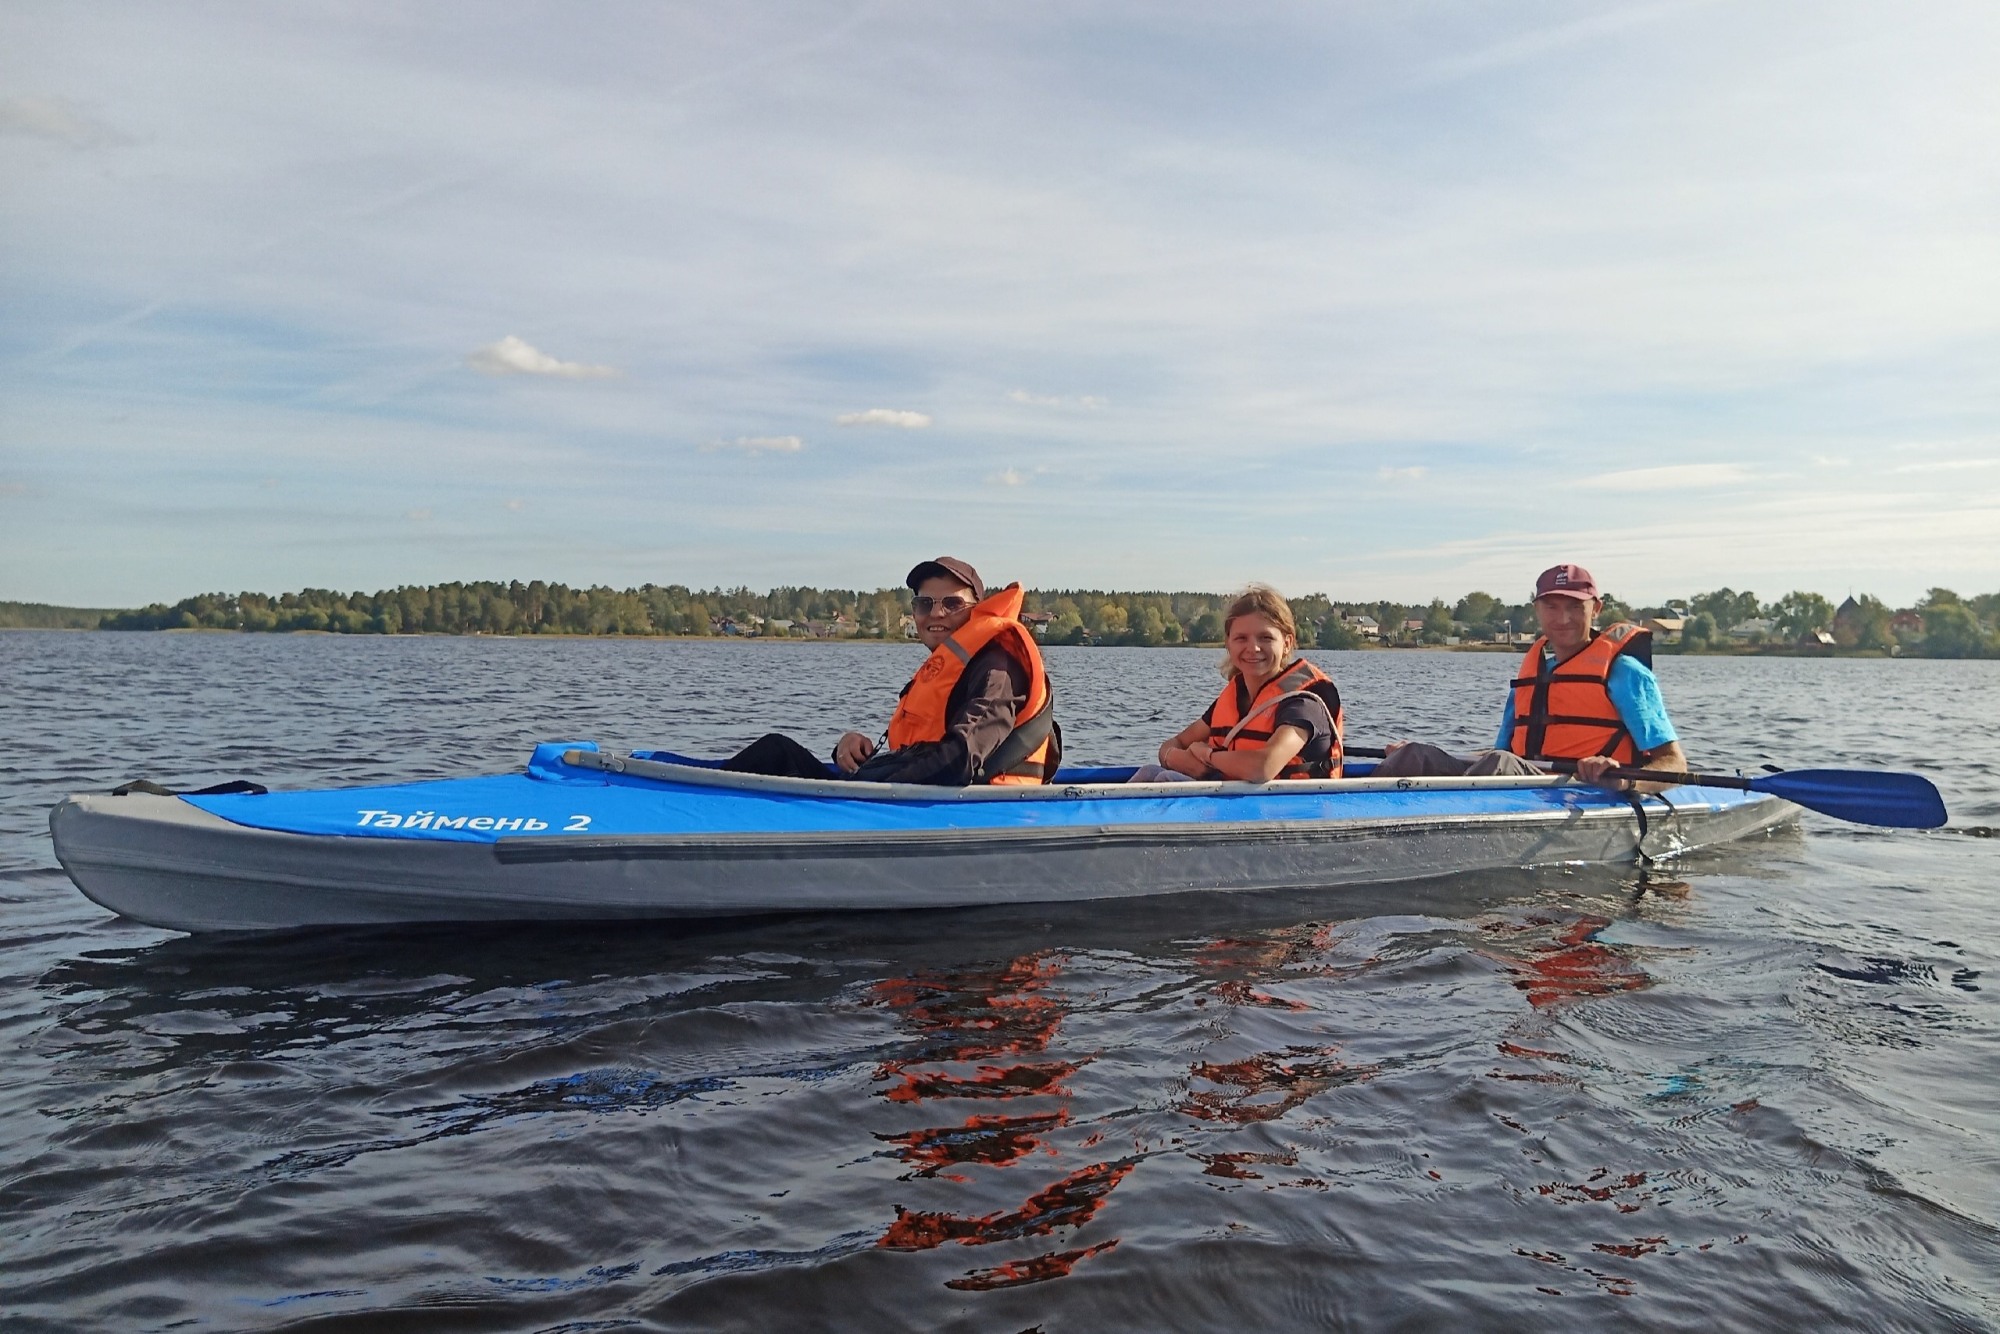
950 605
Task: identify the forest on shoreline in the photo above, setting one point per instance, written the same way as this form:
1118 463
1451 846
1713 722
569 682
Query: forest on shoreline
1942 624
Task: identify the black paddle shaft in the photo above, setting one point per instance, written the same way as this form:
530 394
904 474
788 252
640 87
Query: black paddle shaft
1663 776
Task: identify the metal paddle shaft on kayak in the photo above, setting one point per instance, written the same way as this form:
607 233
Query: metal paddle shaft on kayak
1892 799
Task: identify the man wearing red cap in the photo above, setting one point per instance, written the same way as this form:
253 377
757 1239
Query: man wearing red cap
979 710
1581 694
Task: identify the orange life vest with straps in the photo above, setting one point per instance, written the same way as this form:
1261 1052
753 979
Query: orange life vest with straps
1566 712
1030 752
1237 722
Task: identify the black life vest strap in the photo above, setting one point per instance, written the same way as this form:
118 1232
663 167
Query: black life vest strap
1011 755
1537 721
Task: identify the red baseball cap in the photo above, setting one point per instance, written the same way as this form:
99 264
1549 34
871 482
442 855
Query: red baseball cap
1566 581
948 567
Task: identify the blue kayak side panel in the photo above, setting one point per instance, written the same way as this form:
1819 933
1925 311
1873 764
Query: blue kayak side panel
553 799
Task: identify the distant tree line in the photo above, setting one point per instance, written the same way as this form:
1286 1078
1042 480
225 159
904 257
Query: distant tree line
41 616
1942 624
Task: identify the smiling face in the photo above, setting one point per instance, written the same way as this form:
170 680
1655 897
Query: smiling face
934 622
1257 648
1566 622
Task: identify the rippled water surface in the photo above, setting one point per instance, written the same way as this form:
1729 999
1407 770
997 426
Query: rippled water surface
1757 1089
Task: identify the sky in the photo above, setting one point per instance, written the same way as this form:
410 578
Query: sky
1379 299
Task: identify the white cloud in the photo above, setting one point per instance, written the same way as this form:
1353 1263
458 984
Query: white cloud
419 516
758 444
1087 402
909 421
513 356
1008 477
54 118
1673 477
1410 474
517 505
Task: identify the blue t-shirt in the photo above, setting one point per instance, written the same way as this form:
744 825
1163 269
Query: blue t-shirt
1635 693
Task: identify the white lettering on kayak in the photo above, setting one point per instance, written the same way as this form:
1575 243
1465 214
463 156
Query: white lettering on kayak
499 824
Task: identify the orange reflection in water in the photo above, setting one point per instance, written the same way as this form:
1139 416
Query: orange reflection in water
993 1140
1239 992
1235 1166
1266 1086
1014 1273
1286 948
976 1017
1070 1202
982 1018
992 1081
1574 964
1602 1188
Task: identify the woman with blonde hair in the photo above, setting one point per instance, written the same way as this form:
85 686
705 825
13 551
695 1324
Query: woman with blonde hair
1278 716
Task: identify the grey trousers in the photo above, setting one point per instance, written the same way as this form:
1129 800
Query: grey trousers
1419 759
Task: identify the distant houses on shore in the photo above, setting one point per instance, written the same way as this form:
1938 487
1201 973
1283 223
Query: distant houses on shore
751 625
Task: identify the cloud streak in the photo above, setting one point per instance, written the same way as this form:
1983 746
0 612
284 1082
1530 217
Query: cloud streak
513 356
896 417
55 119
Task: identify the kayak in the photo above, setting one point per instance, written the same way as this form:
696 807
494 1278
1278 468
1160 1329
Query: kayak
582 834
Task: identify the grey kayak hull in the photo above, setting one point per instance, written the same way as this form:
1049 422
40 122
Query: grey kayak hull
165 862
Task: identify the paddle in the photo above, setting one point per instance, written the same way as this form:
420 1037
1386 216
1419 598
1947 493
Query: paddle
1862 796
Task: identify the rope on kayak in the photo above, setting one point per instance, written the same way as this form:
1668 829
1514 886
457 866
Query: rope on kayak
1638 805
152 789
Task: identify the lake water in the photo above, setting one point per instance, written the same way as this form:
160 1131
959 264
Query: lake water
1759 1089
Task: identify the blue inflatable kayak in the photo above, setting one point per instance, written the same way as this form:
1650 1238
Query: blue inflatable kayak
585 835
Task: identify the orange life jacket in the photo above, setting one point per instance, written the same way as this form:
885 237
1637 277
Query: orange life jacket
1567 713
1237 723
1027 755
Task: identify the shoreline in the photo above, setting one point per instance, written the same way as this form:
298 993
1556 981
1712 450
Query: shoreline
1661 651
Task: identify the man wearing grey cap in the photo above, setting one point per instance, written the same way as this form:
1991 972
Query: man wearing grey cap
979 709
1581 694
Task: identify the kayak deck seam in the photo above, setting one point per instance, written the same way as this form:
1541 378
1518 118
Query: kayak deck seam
928 843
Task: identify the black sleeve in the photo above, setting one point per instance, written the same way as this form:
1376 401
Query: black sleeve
1310 715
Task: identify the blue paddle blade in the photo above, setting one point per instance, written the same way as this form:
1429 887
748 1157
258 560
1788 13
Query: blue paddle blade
1897 800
